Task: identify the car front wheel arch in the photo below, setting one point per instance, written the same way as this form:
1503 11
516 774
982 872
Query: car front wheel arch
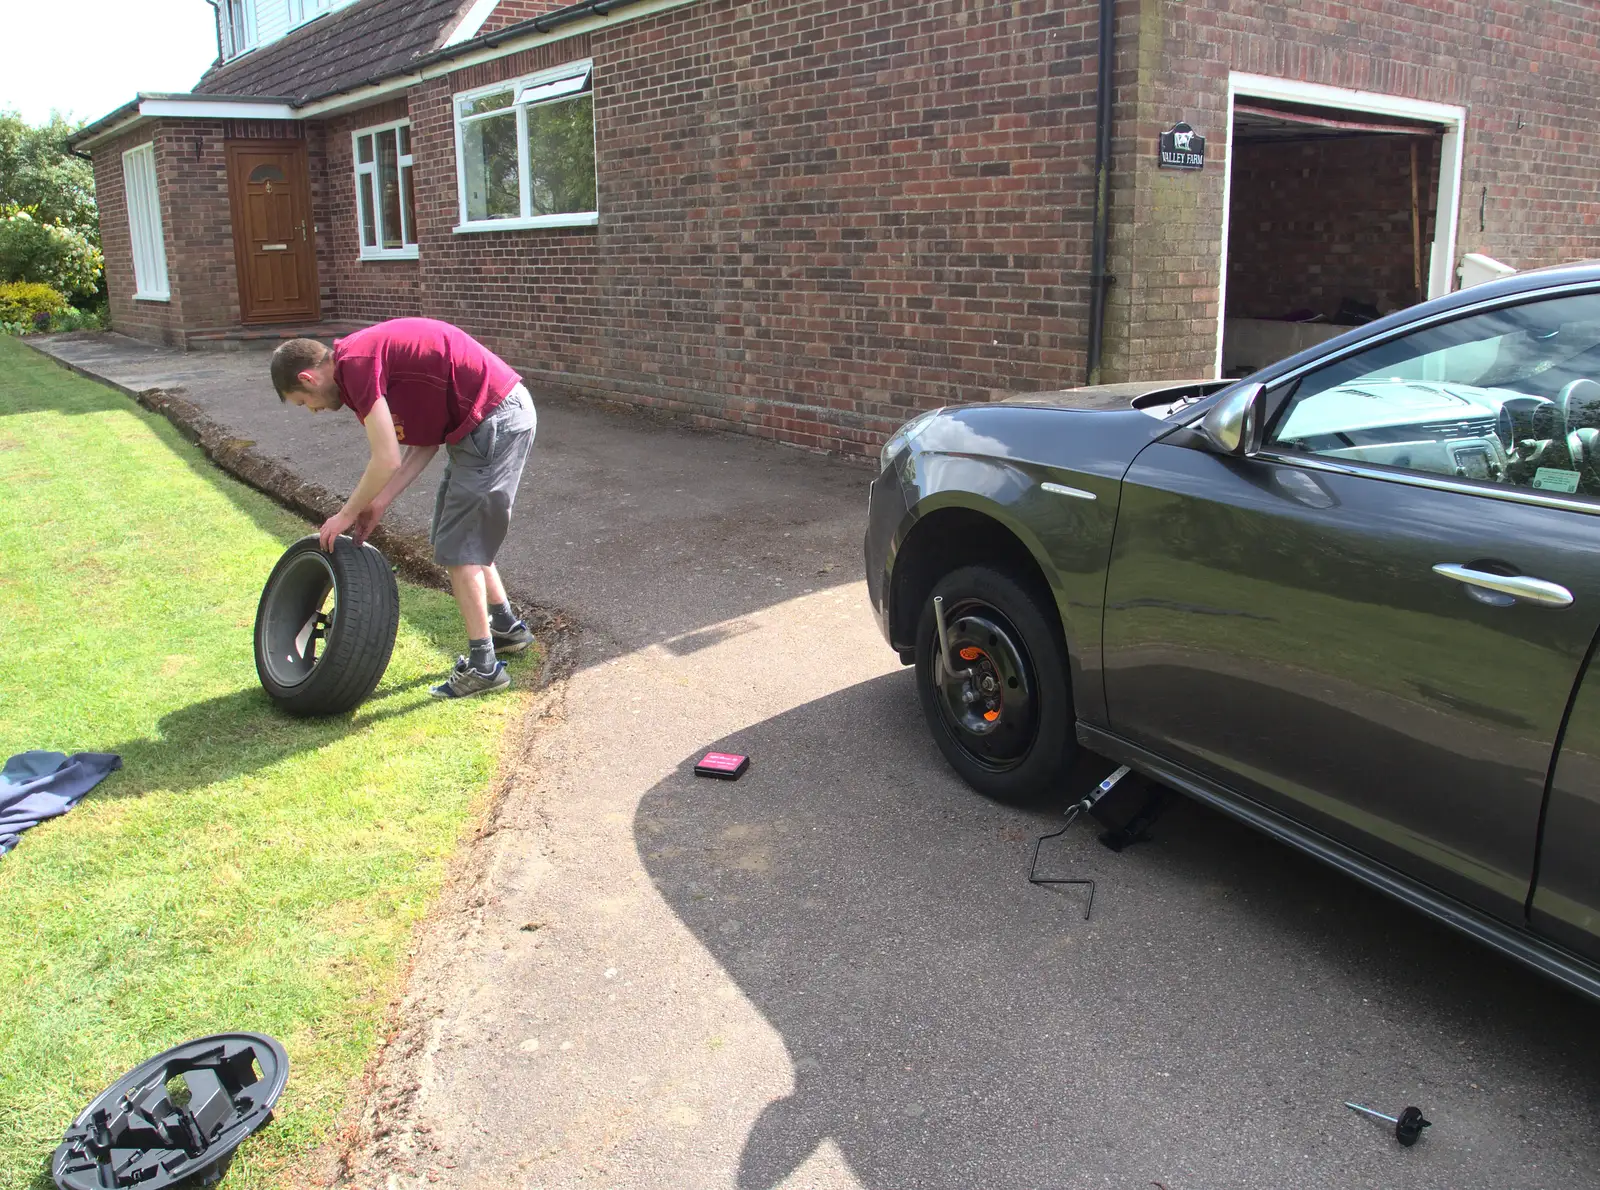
946 540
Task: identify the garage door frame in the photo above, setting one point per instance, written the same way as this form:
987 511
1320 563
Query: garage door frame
1451 120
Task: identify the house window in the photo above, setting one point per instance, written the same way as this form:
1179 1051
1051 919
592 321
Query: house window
144 224
385 205
525 152
303 10
235 27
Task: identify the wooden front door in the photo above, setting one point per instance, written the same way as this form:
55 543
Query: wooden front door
272 233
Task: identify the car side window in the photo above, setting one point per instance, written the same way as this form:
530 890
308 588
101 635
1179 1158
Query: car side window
1511 396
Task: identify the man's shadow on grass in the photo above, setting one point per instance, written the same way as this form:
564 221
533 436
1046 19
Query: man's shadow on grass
243 732
234 734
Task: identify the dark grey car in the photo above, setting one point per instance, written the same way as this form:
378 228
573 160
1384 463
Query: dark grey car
1351 600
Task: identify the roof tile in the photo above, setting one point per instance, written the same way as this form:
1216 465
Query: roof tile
366 41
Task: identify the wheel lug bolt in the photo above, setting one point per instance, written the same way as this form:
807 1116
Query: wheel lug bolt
1408 1125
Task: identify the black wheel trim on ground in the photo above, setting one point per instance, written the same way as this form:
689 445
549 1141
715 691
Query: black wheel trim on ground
1004 743
287 610
74 1167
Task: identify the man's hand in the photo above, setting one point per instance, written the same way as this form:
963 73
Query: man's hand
338 523
366 521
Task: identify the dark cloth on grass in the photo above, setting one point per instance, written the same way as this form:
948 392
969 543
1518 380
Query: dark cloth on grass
39 785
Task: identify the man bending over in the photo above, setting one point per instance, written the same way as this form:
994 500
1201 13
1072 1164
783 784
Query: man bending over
422 384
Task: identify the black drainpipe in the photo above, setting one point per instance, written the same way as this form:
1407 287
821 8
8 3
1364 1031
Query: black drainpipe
1098 281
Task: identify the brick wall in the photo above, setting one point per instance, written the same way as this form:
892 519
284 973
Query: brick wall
196 226
531 296
1312 223
155 321
192 173
509 12
812 222
352 288
1525 72
817 217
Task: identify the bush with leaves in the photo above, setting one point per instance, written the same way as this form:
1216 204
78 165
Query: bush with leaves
37 171
52 254
49 230
20 301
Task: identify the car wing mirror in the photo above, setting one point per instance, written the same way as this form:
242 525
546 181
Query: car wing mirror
1233 425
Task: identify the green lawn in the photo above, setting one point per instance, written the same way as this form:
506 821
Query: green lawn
245 870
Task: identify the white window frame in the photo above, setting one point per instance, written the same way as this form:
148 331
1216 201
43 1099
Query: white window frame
144 224
521 101
301 11
369 170
240 40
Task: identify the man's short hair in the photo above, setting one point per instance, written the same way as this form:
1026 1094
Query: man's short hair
292 358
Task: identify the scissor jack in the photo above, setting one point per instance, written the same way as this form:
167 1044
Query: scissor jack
1121 830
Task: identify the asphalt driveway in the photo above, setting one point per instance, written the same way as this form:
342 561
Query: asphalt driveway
833 972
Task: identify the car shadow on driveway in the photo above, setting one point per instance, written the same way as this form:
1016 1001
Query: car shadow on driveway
951 1025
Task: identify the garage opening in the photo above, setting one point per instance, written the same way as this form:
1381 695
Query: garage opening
1332 221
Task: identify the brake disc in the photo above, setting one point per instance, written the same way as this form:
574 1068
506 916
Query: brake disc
178 1116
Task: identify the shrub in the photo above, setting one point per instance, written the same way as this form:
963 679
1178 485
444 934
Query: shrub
74 319
52 254
22 301
14 320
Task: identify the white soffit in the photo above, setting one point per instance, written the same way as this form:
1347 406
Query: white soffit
201 107
470 23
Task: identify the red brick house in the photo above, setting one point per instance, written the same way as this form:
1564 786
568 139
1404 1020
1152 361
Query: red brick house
807 218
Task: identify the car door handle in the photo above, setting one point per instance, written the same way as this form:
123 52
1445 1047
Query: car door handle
1518 586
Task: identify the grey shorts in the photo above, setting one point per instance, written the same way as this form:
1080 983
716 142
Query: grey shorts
472 511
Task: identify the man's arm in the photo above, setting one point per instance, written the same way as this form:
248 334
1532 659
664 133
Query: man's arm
381 467
414 463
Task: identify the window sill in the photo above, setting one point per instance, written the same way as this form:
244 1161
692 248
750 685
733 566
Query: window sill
586 219
389 254
153 297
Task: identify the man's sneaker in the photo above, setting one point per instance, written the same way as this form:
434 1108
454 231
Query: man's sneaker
514 640
465 681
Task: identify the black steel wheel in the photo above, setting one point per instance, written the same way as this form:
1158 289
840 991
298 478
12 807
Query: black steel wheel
1000 705
325 626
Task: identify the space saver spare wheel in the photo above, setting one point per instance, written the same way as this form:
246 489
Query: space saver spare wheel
325 626
1000 708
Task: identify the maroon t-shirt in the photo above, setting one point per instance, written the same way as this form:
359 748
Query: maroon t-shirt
439 381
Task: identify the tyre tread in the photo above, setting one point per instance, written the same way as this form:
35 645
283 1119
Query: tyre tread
360 641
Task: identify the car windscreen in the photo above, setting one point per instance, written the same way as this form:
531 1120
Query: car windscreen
1534 349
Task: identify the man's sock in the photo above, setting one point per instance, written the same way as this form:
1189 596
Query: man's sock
481 658
501 617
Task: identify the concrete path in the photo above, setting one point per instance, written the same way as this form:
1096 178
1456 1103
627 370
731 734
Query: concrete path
833 972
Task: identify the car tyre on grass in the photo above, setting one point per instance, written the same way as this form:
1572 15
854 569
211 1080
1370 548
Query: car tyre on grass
1006 726
326 626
